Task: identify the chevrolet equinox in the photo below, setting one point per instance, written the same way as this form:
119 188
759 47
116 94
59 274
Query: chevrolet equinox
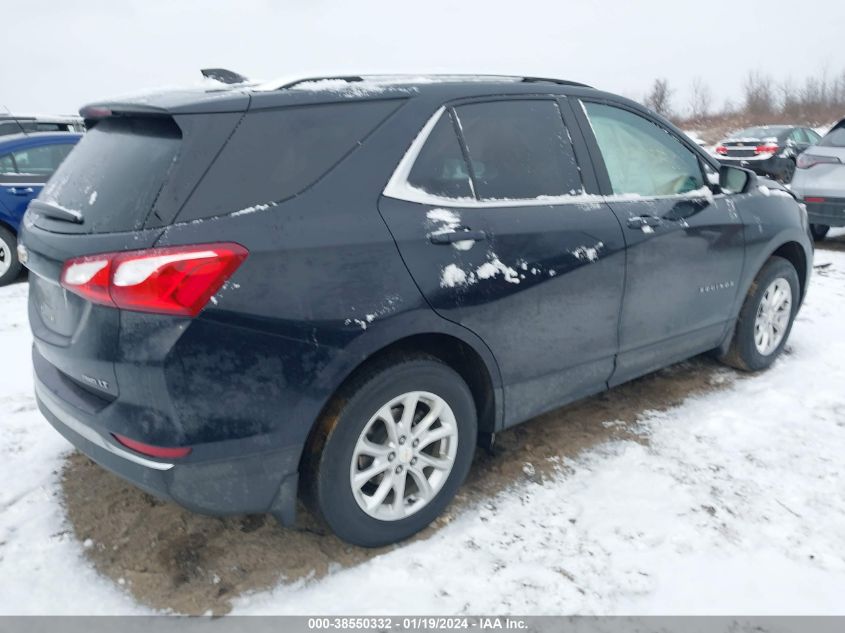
337 288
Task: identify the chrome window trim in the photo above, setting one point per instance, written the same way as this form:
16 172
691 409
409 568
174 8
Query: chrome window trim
399 188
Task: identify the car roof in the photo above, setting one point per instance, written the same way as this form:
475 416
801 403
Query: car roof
41 118
22 139
322 89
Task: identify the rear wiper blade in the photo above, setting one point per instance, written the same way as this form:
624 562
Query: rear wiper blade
55 211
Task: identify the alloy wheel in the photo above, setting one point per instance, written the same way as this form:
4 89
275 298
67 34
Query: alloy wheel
404 455
5 257
773 316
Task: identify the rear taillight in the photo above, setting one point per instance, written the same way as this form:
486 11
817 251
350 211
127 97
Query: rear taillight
162 452
766 148
172 280
805 161
721 149
814 200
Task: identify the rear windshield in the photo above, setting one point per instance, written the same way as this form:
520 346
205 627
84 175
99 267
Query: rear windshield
834 138
759 132
114 175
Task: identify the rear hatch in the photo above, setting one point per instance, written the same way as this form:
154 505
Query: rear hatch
821 168
743 148
117 190
745 144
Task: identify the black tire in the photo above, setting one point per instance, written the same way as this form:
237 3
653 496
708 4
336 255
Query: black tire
819 231
327 484
788 172
743 353
8 255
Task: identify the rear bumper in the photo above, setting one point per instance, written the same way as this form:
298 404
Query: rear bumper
242 484
831 212
774 166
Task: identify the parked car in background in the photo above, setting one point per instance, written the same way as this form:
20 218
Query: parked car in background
15 124
696 138
338 287
768 150
26 162
820 181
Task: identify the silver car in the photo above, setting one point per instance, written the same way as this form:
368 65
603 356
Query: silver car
820 181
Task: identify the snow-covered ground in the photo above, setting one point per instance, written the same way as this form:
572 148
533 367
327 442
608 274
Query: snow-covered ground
733 502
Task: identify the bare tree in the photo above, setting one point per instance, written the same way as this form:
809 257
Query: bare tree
700 99
659 97
790 102
759 92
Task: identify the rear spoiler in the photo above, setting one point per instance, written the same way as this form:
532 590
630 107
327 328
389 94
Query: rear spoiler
224 75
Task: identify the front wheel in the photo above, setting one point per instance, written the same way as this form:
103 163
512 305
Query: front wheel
396 447
10 267
766 317
819 231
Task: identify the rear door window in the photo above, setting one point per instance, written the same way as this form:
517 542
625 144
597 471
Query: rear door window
440 168
40 161
641 157
797 136
7 165
518 149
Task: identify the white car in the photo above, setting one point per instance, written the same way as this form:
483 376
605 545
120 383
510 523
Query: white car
26 124
820 181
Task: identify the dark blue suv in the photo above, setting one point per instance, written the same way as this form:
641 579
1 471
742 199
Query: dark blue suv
337 288
26 162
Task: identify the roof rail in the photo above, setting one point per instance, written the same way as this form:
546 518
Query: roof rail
360 78
562 82
348 78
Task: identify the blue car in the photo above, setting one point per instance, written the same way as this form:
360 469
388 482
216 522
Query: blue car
26 162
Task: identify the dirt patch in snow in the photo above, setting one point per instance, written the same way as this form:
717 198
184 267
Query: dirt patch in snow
171 559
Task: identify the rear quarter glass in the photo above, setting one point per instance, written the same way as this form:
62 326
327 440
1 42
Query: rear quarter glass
276 154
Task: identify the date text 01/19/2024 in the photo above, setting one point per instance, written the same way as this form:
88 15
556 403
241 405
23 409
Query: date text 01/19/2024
420 623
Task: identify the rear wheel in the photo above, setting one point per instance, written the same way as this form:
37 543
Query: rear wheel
819 231
10 267
766 317
392 451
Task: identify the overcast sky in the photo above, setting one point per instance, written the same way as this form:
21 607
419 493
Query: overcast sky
60 54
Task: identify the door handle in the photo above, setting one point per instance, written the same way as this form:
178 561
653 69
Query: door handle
458 236
643 221
20 191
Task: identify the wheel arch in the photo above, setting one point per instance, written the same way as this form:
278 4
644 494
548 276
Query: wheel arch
476 366
794 253
6 225
788 247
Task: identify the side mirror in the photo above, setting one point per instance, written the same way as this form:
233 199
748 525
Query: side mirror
736 179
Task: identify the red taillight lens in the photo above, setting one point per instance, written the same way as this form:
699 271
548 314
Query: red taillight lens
767 148
152 451
172 280
813 200
721 149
